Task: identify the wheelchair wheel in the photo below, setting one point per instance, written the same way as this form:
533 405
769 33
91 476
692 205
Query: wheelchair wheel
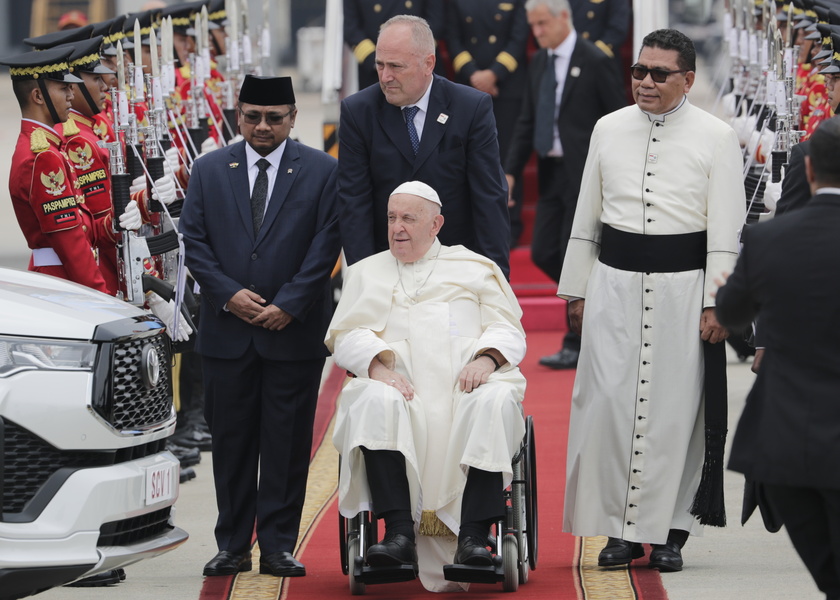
353 549
519 515
530 476
510 558
342 543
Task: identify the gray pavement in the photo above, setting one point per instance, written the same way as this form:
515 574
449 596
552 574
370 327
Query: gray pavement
733 563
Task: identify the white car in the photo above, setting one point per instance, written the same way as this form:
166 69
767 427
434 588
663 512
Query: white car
85 409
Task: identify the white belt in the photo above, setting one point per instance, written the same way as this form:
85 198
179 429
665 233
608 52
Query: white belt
45 257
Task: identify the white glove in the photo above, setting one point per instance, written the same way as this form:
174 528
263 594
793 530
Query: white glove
139 184
165 311
208 146
237 138
772 193
173 160
164 190
131 218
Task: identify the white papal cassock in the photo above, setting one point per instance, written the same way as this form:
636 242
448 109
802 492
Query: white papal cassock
427 320
636 443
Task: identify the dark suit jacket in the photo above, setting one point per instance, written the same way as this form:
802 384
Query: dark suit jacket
288 264
458 157
789 432
795 189
594 92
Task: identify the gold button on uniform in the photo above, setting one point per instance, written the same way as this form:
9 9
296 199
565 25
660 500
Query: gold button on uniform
590 14
474 40
492 39
408 4
468 19
586 35
498 17
377 8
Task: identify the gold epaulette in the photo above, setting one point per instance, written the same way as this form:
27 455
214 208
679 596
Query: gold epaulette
38 141
462 59
605 48
507 61
70 127
363 49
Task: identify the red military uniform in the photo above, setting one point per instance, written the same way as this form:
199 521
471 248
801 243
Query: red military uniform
93 171
51 210
103 123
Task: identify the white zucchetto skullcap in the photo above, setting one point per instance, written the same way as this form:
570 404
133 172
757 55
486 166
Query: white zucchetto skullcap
418 188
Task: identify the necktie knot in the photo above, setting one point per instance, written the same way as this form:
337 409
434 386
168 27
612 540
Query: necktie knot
263 164
410 112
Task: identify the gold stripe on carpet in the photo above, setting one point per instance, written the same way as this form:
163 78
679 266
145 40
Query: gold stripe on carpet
599 583
320 489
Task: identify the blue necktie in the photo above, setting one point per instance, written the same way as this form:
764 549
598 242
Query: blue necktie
410 112
544 117
259 195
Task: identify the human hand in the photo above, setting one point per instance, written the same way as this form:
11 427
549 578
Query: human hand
379 372
575 310
165 311
710 329
485 80
131 218
137 185
759 356
272 318
246 304
511 181
475 373
173 160
164 190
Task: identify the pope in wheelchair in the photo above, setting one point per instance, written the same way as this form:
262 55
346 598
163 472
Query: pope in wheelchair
429 425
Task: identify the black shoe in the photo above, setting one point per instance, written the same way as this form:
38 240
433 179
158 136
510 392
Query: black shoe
618 552
107 578
186 475
193 437
228 563
281 564
666 557
565 359
473 551
395 549
188 457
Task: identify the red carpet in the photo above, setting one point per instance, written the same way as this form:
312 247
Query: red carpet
557 576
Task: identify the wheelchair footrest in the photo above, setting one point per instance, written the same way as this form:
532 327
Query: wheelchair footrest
471 574
373 575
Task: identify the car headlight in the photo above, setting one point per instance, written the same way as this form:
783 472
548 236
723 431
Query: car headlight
28 354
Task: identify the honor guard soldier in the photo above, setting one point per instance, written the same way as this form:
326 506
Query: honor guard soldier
605 23
111 32
488 48
50 208
362 19
90 161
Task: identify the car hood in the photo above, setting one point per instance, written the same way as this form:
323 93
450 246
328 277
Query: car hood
36 305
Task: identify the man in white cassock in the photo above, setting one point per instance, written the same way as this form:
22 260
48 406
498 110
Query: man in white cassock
657 221
429 425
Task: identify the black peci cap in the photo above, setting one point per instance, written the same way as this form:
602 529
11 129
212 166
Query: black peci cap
267 91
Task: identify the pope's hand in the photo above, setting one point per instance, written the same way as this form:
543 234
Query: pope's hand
131 218
476 373
380 372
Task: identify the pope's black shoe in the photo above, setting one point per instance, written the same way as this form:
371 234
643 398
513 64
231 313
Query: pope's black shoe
666 557
227 563
565 359
473 551
618 552
281 564
395 549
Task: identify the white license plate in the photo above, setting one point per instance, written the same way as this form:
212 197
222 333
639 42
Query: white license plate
160 484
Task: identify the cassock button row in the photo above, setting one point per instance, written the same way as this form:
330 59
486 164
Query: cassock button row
637 452
650 220
644 380
648 191
648 308
630 523
646 344
655 139
648 203
649 174
639 435
641 400
658 124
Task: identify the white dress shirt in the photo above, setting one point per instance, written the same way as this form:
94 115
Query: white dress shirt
253 170
423 105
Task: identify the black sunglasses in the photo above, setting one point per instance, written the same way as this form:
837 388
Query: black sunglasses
255 118
638 72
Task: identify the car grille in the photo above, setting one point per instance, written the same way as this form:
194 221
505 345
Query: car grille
136 529
131 404
27 462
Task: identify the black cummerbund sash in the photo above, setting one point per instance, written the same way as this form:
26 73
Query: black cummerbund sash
653 253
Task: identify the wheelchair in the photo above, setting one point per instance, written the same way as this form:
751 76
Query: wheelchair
513 542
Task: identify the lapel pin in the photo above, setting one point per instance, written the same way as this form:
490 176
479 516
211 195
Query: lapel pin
290 171
442 119
233 165
574 72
